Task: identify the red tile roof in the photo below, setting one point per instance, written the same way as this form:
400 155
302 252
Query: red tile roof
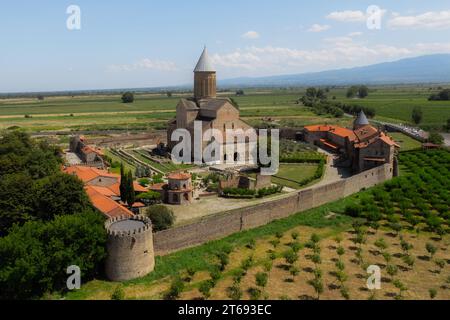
179 176
106 205
87 174
339 131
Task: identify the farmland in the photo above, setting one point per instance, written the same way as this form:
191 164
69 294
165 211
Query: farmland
401 226
150 111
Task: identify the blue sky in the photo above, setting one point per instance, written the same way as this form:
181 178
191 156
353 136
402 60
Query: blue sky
157 43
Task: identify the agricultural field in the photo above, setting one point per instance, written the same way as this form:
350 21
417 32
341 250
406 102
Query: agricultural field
395 104
401 226
272 107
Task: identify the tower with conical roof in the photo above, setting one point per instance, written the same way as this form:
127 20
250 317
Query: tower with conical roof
204 78
360 121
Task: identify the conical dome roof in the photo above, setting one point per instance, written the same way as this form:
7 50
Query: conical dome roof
204 63
361 120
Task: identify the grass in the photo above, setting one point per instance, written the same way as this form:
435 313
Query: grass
199 257
289 174
406 143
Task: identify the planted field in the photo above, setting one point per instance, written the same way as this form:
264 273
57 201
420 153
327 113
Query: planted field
322 253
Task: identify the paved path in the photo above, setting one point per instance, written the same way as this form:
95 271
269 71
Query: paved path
332 173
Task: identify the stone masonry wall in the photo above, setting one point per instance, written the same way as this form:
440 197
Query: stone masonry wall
226 223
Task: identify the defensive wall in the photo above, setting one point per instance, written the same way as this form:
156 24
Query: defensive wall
226 223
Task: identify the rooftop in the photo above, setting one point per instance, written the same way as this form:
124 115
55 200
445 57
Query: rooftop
179 176
204 64
127 225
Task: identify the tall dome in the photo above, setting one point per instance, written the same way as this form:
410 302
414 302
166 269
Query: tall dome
361 121
204 78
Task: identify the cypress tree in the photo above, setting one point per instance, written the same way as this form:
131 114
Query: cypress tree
123 184
130 189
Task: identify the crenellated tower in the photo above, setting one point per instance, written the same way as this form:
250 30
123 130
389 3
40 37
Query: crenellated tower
130 248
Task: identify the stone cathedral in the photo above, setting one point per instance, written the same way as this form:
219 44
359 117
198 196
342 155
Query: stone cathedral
205 107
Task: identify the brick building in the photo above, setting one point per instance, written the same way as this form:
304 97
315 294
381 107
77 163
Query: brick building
212 112
363 147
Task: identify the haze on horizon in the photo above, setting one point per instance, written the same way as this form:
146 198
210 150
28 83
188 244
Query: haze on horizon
123 45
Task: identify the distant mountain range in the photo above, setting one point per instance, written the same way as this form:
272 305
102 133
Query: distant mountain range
424 69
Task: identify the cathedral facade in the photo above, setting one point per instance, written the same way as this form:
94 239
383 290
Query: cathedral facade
207 111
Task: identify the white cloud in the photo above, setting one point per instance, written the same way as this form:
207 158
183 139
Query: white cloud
251 35
335 53
347 16
428 20
355 34
318 28
145 64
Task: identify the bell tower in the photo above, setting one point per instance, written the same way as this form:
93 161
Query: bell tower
204 78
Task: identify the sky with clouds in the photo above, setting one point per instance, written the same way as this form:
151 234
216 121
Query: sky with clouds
137 43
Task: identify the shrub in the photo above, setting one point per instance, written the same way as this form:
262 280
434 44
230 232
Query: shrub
118 293
176 287
261 279
255 293
161 216
205 288
234 292
290 256
353 210
433 293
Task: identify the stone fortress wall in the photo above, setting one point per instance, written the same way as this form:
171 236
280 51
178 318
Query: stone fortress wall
227 223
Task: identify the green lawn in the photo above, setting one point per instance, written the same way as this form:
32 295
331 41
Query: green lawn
406 143
288 174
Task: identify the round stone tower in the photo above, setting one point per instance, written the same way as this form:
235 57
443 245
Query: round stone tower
130 248
204 78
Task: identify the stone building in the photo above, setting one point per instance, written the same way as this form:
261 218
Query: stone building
209 111
89 155
179 189
361 148
129 248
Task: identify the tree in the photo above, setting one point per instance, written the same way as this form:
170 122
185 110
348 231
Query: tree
169 94
363 92
34 257
234 292
123 184
131 194
436 138
317 285
205 289
417 115
161 216
59 194
401 287
261 279
176 287
128 97
240 92
431 249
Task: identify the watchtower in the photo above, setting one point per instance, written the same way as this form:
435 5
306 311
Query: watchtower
130 248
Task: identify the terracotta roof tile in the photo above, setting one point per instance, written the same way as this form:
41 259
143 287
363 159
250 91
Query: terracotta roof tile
179 176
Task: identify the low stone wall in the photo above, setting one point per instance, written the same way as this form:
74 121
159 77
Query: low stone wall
226 223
